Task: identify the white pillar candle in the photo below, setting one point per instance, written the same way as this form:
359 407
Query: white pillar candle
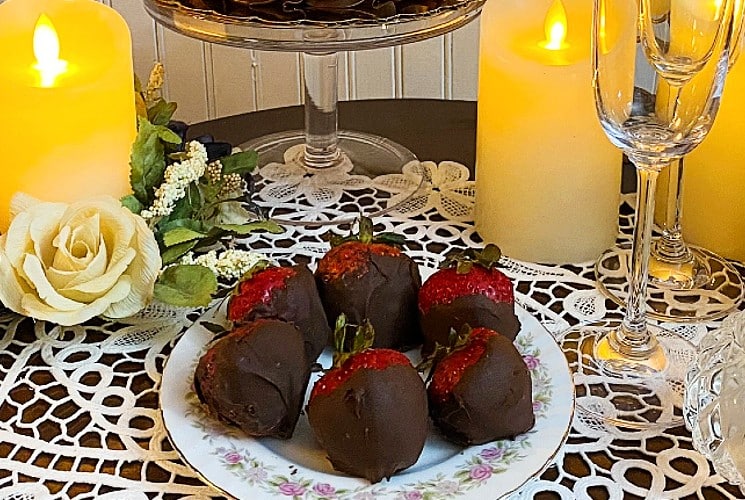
547 177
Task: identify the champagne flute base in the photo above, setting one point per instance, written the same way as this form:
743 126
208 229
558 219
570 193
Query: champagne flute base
703 288
630 394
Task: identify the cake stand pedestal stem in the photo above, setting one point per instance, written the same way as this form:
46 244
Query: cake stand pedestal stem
321 115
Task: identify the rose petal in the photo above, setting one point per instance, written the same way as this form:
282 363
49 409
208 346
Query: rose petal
62 279
43 228
12 287
118 230
144 271
17 239
89 290
33 307
22 202
33 268
88 232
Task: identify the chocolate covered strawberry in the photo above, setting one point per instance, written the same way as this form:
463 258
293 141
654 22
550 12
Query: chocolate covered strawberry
370 413
371 278
255 378
286 293
467 290
481 391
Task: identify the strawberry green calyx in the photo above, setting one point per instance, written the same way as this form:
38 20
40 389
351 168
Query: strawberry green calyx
256 268
456 340
362 337
463 260
366 234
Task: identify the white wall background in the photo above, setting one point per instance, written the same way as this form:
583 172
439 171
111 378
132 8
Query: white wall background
210 81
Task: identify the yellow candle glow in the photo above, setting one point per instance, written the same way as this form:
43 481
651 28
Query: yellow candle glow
547 178
714 177
68 100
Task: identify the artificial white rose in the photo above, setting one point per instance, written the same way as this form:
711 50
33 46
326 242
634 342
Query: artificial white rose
67 263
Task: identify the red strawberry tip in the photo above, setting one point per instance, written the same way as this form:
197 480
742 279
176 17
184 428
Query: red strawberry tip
368 359
256 287
448 371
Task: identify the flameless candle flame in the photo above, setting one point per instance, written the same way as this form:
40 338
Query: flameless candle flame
46 51
555 27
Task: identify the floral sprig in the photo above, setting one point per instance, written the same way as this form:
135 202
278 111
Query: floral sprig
230 264
176 180
189 202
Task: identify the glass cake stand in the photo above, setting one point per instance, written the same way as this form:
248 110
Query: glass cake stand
351 158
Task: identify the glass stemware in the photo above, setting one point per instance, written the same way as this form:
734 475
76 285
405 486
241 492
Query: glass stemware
686 282
658 73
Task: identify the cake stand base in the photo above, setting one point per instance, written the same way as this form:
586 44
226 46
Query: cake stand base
296 194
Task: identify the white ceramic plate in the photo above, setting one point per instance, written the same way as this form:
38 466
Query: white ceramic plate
256 469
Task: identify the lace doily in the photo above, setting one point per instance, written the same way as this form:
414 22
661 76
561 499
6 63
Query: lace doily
79 406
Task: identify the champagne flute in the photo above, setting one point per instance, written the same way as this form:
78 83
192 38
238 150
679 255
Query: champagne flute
686 282
631 373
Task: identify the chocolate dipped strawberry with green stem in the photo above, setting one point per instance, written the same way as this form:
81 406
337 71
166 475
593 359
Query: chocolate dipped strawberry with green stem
368 277
285 293
481 390
369 412
468 289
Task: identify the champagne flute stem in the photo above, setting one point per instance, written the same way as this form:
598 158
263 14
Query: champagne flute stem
633 340
670 247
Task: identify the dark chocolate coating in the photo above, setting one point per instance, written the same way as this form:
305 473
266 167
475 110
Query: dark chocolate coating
471 310
386 295
493 399
374 424
257 378
298 303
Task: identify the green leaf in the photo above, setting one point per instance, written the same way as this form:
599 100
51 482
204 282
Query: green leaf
174 253
180 235
188 206
147 159
390 238
239 163
186 286
132 203
192 224
243 229
147 162
161 112
232 212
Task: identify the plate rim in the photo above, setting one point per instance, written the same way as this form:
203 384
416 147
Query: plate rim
214 309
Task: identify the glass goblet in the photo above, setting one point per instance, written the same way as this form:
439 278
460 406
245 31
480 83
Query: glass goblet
629 372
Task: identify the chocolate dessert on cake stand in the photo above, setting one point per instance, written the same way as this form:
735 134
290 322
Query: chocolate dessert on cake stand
319 29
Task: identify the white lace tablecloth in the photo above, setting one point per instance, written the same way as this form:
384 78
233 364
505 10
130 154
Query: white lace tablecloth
79 412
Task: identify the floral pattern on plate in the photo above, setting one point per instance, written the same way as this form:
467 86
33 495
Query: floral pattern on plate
227 457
